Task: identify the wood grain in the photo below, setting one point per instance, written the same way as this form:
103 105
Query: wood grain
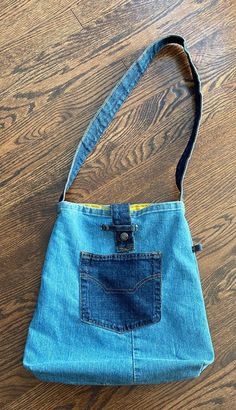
59 61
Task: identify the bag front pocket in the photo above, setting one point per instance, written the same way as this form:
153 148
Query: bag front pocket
120 292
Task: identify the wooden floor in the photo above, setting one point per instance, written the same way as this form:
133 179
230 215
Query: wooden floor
59 61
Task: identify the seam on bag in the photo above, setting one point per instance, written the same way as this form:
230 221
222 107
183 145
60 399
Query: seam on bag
206 362
133 358
103 213
127 328
75 207
86 256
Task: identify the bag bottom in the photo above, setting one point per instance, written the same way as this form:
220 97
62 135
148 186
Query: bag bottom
114 374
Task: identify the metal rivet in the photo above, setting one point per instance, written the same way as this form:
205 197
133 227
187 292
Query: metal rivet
124 236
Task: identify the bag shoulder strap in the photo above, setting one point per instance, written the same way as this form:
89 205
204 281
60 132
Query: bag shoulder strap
116 98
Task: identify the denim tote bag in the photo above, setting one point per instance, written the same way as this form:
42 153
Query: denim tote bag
120 300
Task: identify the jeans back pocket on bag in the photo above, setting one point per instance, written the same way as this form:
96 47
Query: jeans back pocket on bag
120 292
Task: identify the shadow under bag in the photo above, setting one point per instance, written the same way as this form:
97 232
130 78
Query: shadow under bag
120 300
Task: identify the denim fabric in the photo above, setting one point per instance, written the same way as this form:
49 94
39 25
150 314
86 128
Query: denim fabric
62 347
117 97
120 300
126 288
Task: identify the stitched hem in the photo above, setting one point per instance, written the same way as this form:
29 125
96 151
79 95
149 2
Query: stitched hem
154 207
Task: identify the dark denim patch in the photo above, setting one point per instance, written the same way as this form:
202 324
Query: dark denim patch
197 247
120 292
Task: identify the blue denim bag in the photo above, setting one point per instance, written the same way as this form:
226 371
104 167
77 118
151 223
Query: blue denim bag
120 300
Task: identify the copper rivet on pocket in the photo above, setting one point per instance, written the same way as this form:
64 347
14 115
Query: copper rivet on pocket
124 236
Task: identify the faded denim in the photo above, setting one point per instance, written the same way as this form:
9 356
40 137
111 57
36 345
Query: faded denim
120 300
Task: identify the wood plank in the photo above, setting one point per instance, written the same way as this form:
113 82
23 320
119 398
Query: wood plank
93 41
18 18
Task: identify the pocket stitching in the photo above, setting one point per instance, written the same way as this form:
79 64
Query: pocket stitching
86 256
139 284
